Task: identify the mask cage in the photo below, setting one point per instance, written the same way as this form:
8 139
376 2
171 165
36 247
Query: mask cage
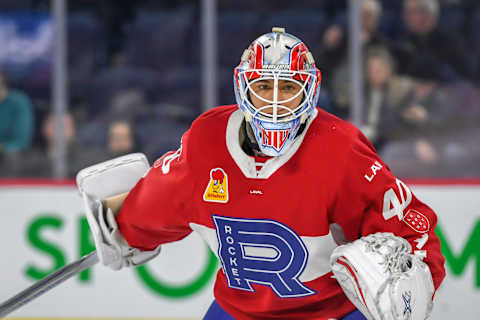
307 87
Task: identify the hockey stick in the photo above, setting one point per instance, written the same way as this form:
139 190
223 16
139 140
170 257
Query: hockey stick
47 283
59 276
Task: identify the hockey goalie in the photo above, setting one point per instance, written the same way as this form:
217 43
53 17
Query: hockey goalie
306 220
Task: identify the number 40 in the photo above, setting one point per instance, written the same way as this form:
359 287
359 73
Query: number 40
394 205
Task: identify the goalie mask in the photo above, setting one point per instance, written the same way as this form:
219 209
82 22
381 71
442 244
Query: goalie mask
276 86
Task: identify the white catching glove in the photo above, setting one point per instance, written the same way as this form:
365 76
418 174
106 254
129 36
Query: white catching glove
382 279
104 180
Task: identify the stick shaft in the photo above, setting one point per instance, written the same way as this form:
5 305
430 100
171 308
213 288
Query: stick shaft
47 283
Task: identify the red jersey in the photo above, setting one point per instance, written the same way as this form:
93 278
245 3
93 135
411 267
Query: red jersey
273 226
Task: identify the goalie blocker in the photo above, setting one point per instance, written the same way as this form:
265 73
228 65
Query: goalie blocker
112 179
382 279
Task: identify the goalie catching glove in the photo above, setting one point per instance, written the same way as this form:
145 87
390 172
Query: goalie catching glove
382 279
104 180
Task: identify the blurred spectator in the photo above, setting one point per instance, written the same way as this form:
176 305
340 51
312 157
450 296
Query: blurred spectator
384 91
121 139
39 161
16 126
424 37
333 50
419 130
16 119
426 109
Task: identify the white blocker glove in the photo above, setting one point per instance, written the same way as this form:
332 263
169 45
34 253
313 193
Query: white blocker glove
382 279
102 181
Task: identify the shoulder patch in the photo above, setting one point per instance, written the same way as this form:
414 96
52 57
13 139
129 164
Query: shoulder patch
217 188
417 221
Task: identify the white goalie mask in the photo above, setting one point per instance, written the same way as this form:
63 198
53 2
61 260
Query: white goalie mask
279 60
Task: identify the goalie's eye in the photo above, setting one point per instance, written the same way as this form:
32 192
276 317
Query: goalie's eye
262 86
290 87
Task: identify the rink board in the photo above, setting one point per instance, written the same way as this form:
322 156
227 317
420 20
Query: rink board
43 227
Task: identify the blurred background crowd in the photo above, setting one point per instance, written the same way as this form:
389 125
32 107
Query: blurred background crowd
134 77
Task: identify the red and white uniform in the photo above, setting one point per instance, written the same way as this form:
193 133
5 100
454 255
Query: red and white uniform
274 229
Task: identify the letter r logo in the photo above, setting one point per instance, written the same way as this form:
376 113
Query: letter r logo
264 252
